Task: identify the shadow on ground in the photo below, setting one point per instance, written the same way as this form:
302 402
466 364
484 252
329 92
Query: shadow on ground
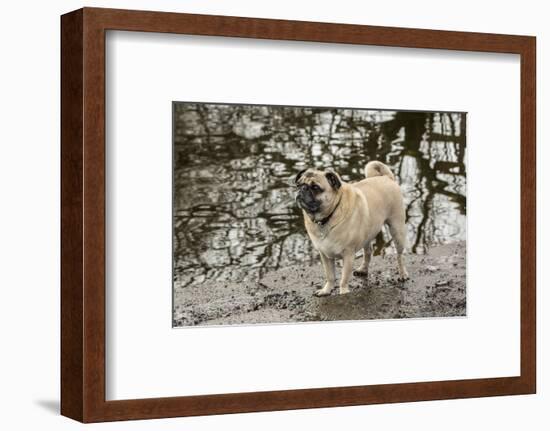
51 406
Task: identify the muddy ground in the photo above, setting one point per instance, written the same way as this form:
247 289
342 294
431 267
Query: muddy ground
437 288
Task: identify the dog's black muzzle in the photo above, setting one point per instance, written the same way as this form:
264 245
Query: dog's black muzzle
306 200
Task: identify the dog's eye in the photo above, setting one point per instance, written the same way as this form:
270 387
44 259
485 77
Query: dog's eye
316 188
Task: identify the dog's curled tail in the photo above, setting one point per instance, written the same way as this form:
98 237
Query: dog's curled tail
378 169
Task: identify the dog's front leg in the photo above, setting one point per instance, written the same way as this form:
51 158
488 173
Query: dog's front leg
346 271
328 266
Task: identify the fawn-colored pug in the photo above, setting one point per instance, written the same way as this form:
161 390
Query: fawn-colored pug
342 218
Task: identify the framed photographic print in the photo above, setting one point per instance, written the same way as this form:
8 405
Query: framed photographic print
266 215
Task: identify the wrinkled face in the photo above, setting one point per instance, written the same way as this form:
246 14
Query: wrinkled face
317 190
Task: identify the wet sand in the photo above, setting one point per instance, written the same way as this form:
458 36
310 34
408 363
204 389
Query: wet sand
437 288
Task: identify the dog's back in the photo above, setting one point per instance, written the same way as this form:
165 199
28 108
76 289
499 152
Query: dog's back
383 195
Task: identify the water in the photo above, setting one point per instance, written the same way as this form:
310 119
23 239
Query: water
234 212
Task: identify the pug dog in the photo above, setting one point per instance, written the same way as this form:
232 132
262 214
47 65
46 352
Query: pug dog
342 218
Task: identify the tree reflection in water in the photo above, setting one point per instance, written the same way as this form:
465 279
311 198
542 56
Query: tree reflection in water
234 212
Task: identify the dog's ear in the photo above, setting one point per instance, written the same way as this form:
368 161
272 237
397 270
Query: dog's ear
299 176
333 179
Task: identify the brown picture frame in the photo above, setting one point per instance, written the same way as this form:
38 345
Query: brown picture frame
83 214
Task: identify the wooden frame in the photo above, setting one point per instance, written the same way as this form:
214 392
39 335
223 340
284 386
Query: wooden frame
83 214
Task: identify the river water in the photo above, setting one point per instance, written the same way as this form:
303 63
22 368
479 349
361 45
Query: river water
234 214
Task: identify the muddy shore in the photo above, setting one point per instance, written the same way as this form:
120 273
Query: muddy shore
437 288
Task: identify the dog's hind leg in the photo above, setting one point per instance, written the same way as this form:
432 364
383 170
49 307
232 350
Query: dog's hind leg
328 266
399 236
363 270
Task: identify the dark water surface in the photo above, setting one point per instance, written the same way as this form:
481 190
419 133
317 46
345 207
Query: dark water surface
234 212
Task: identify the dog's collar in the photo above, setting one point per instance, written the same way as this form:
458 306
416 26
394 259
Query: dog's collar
325 220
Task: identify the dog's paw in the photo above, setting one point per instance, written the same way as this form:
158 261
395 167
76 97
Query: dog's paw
359 273
344 290
322 292
403 277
